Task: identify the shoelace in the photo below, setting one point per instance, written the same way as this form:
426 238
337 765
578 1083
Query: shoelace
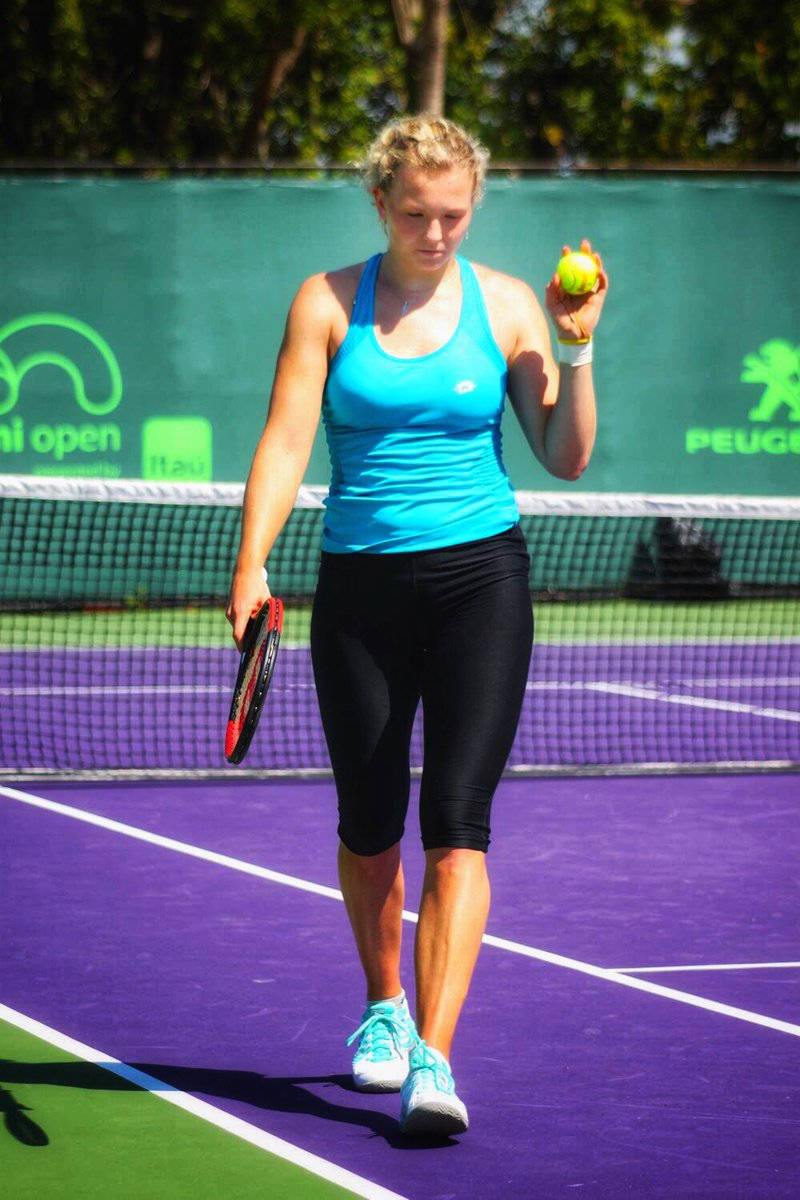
442 1079
383 1034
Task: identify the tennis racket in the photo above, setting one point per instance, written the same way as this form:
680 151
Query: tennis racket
259 651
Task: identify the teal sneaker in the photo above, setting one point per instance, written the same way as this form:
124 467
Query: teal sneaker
429 1104
388 1034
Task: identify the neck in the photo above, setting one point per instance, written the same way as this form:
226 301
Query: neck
403 280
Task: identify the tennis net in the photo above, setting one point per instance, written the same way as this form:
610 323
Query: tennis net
667 632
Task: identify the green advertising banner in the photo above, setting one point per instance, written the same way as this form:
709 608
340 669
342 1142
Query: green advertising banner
140 320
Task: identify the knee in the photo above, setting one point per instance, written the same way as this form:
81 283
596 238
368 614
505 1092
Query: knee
456 871
455 862
367 840
372 809
456 822
372 868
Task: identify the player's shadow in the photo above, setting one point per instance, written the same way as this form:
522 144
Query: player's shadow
16 1120
320 1096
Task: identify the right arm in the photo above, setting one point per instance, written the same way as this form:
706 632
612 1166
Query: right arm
284 447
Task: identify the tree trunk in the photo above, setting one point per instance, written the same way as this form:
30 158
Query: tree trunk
422 32
280 61
431 56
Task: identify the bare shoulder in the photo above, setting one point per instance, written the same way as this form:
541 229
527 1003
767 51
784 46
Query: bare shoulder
329 290
323 304
514 310
506 291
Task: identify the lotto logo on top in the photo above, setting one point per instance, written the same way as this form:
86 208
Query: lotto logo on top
774 419
61 349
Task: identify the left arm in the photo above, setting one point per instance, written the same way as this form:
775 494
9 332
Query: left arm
555 405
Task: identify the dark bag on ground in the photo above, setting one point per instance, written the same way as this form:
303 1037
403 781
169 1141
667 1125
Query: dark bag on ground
679 560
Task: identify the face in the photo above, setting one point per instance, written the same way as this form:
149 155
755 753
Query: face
426 214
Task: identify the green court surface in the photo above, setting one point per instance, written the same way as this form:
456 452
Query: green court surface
72 1129
590 621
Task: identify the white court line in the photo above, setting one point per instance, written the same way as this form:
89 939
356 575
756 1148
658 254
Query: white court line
646 692
11 647
643 693
689 641
558 960
301 646
706 967
156 839
200 1108
745 681
144 689
639 692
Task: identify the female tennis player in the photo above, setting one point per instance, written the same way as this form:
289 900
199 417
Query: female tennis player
423 588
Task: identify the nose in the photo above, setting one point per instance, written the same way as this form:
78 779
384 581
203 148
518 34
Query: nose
434 231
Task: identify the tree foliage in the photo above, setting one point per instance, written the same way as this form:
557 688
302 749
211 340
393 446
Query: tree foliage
744 97
586 78
652 80
183 81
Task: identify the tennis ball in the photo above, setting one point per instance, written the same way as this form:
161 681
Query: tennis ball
577 272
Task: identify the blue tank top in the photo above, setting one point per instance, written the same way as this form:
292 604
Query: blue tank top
415 443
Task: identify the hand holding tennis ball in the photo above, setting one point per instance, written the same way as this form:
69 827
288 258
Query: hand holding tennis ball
576 292
577 272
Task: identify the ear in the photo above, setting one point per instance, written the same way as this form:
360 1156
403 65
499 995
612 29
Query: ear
380 203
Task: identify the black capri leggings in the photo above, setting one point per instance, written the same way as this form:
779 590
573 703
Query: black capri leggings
451 626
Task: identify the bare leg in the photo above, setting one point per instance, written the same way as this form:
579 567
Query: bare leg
373 890
452 918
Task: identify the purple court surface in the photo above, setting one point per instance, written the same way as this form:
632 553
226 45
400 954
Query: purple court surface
612 703
633 1028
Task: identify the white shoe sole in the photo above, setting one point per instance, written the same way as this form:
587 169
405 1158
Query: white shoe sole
365 1082
436 1118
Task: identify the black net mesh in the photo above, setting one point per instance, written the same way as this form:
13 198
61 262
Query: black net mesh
667 634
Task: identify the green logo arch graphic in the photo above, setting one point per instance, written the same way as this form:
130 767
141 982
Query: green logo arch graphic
12 375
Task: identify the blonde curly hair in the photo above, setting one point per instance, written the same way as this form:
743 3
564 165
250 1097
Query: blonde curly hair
430 142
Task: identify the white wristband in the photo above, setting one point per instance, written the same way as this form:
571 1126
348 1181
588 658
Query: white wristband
575 354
